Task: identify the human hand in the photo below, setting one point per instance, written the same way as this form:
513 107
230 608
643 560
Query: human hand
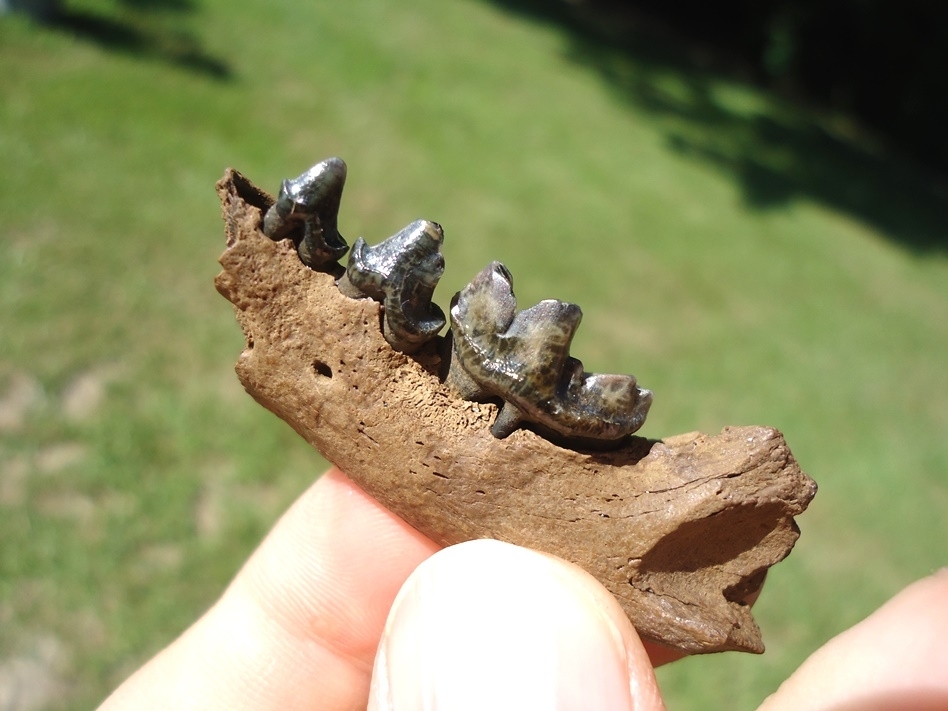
481 625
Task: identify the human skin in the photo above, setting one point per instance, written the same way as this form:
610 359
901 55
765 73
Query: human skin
344 606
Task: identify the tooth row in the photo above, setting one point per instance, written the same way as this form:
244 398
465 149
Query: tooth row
521 358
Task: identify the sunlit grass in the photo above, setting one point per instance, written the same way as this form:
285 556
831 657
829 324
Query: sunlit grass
135 475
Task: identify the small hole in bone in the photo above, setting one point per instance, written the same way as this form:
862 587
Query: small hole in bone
322 369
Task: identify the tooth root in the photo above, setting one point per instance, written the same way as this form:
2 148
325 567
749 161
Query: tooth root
508 419
462 383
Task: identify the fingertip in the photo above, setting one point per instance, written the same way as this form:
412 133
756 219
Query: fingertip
895 658
486 624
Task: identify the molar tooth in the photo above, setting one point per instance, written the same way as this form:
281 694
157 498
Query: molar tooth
523 358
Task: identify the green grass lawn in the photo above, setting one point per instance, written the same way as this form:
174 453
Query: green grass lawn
750 262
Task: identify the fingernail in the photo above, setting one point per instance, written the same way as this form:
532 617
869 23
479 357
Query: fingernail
487 625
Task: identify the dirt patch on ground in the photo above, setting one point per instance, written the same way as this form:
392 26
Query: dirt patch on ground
17 468
34 678
20 394
13 473
83 396
59 456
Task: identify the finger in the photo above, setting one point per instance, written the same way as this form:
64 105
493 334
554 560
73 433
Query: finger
489 625
895 658
299 626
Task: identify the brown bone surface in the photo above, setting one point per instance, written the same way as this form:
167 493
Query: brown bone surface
681 531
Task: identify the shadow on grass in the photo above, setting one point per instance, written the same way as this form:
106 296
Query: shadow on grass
776 157
137 32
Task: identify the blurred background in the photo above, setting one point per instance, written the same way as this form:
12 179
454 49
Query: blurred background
749 204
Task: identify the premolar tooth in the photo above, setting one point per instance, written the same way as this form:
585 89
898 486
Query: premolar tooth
307 211
402 273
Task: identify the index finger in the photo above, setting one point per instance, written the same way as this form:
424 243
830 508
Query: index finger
299 626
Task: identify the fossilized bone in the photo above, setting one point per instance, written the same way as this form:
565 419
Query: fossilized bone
681 530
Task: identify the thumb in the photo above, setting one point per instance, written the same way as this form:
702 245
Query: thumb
489 625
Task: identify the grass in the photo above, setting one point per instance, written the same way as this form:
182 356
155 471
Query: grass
751 262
